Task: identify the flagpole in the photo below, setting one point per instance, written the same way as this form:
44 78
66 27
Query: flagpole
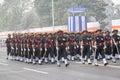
53 19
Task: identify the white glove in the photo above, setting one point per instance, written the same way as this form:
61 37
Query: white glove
90 48
94 46
77 46
24 49
68 47
40 49
21 49
28 49
33 50
115 43
12 48
104 47
45 49
81 47
16 48
57 48
74 47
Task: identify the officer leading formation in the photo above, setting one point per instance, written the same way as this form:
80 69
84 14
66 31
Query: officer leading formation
87 47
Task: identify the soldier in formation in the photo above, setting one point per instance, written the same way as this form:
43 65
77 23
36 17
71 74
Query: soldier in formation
87 47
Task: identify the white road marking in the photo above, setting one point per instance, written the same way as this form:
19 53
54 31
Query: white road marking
42 72
13 71
112 66
3 64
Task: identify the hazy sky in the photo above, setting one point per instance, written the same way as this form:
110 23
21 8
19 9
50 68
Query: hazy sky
115 1
1 1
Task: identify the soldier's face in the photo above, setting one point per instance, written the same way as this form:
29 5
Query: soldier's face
85 33
107 33
44 36
61 35
115 32
64 34
49 35
9 36
77 34
99 33
70 34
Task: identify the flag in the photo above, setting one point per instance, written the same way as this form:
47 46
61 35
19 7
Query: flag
77 23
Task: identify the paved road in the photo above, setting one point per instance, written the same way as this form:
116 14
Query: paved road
14 70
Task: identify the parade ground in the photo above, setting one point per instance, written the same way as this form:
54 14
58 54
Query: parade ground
15 70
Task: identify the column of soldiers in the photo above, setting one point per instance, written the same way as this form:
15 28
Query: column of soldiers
61 47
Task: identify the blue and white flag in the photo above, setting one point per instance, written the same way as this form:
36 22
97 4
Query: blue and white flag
77 23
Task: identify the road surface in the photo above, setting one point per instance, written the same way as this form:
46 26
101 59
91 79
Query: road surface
14 70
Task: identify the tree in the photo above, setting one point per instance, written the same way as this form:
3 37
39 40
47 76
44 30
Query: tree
24 14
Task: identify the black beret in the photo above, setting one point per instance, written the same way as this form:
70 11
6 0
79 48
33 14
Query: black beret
114 31
84 31
99 30
60 31
107 31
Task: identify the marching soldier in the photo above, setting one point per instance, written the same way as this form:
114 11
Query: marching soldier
21 48
25 47
37 46
32 48
116 44
49 47
8 45
75 46
71 46
42 49
40 56
28 49
78 40
14 47
61 48
54 37
93 50
108 43
86 47
90 34
100 46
